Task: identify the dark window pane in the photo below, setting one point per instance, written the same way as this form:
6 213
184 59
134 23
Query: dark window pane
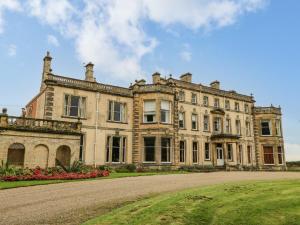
117 111
182 151
149 143
165 149
116 149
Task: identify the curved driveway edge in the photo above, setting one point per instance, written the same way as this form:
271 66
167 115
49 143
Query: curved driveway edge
76 202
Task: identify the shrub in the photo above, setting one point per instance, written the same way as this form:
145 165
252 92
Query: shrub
128 168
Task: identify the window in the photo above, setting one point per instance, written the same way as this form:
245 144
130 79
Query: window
115 149
280 155
116 111
194 98
217 103
165 111
238 127
228 126
249 154
240 160
229 152
268 155
181 96
206 123
206 151
165 150
217 124
237 106
278 127
74 106
265 127
149 111
205 101
194 122
246 108
227 105
149 149
248 128
195 152
181 120
182 151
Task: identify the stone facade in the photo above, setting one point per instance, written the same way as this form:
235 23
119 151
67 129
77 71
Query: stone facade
169 122
31 142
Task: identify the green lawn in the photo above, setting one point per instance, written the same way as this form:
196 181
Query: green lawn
15 184
263 203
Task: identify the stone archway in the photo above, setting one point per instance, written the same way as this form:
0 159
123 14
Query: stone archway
40 154
63 156
15 155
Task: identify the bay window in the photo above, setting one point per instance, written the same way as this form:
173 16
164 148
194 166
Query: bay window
165 111
165 150
149 149
266 127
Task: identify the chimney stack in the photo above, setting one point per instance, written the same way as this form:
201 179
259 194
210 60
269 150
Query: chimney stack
215 84
155 78
46 68
187 77
89 72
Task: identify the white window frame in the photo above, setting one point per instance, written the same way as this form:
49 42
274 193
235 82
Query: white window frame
196 121
227 104
228 129
205 100
111 114
166 111
81 106
270 127
194 98
206 123
183 120
146 113
217 103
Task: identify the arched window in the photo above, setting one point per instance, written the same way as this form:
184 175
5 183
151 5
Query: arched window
41 153
15 156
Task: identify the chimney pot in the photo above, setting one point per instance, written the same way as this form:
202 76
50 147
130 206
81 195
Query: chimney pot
215 84
187 77
155 78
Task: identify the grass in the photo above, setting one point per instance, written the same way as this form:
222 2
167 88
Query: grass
16 184
264 203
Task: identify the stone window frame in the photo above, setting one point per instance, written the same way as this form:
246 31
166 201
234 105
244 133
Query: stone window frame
205 151
194 99
109 149
169 148
206 100
66 112
269 127
144 155
237 107
208 123
197 122
181 96
216 103
197 151
227 104
280 154
184 151
183 116
263 149
155 111
123 115
169 112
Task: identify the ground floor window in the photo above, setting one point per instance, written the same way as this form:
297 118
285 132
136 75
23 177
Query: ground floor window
240 160
280 155
149 149
249 154
165 150
207 151
229 152
195 152
182 151
115 149
268 155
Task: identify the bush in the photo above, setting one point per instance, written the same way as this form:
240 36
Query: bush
198 168
128 168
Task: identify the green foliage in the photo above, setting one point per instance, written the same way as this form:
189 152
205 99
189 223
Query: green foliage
79 167
105 167
198 168
128 168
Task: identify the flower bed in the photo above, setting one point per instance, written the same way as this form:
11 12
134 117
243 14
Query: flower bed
49 174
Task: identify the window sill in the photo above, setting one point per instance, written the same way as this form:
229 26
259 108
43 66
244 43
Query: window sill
165 162
149 162
207 159
110 121
195 130
269 164
165 123
145 123
74 117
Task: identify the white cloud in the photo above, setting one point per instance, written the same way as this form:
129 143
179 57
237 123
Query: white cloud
12 50
52 40
186 54
292 152
110 32
9 5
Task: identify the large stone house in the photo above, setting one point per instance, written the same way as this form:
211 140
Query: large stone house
170 122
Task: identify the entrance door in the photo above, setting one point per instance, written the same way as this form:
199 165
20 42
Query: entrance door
220 156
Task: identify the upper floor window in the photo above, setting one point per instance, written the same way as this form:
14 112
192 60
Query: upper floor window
149 111
206 123
278 127
227 104
228 126
74 106
217 124
266 127
237 106
116 111
248 128
194 98
181 96
205 101
217 103
181 120
238 127
165 111
247 108
194 122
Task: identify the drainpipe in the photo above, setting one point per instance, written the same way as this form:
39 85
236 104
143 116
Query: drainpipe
96 126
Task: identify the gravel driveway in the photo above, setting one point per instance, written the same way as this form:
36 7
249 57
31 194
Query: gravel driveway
76 202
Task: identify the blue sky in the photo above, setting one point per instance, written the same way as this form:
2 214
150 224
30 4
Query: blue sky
251 46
